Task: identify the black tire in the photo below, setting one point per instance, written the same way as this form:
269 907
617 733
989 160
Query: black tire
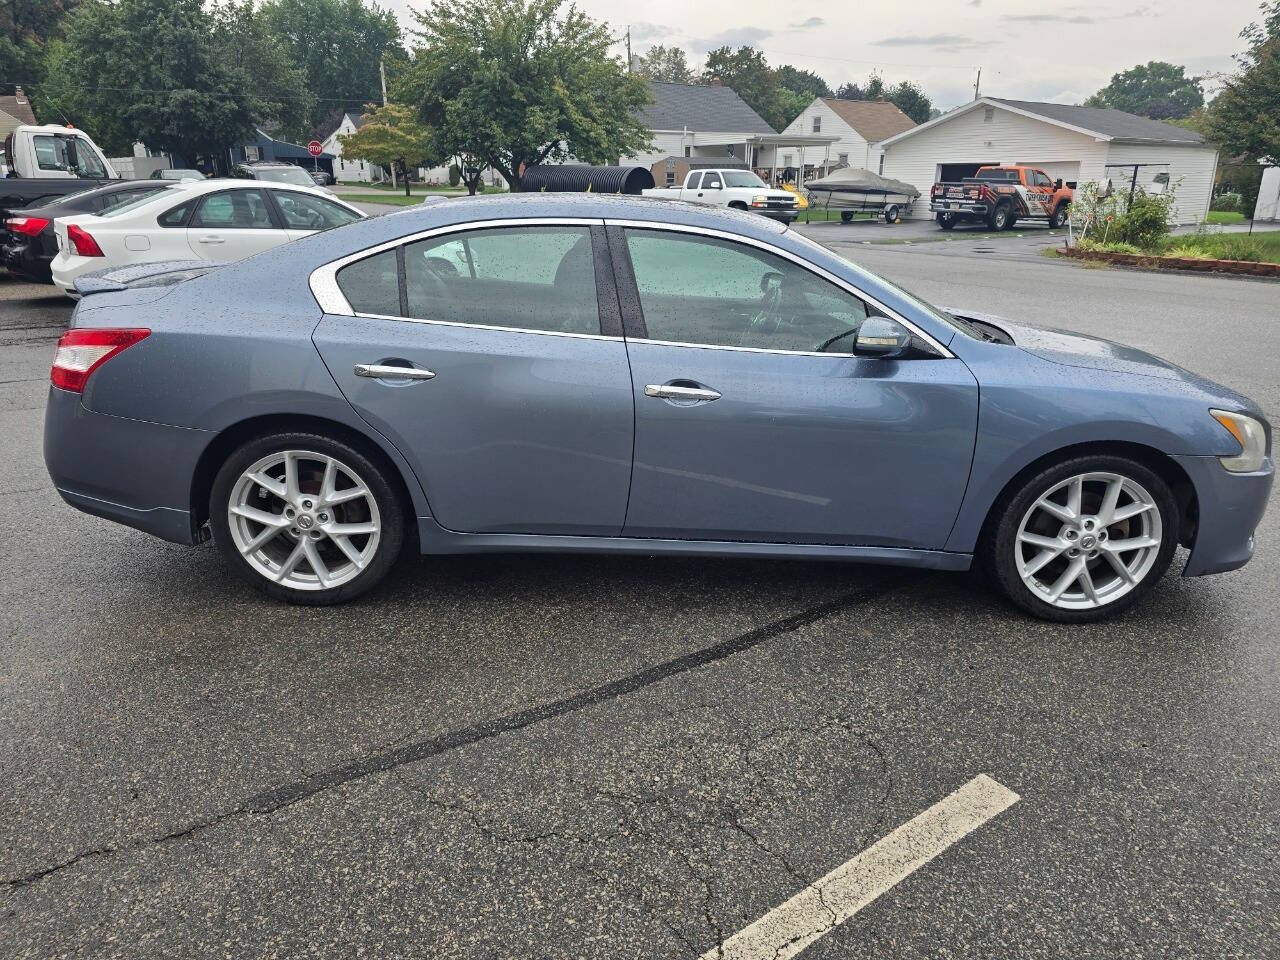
947 221
846 216
1000 216
998 550
1013 222
1059 216
737 205
891 213
390 514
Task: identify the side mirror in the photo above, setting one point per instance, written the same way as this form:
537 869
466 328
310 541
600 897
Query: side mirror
715 186
882 337
1057 184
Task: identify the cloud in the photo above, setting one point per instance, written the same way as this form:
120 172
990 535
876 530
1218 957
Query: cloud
737 37
649 31
948 41
808 24
975 3
1046 18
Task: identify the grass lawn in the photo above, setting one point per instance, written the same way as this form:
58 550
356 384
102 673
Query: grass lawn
1263 246
418 187
390 200
1219 217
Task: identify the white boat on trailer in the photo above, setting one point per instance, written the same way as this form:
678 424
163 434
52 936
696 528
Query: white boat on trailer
854 190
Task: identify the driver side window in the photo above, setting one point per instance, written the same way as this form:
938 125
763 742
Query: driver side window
711 292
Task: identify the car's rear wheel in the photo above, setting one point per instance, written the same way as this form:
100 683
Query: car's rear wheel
947 221
891 213
306 518
999 219
1084 539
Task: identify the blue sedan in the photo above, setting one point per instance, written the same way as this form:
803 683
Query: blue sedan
556 373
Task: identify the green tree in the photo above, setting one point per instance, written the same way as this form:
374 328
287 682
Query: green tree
666 64
516 83
156 71
338 45
874 89
392 136
26 29
277 88
746 72
1157 89
1245 117
803 81
911 100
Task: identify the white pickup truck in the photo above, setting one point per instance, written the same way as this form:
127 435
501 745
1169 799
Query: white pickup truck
39 164
738 189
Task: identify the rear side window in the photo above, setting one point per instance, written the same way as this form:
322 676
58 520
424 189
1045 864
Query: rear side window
372 285
233 210
694 180
176 217
529 278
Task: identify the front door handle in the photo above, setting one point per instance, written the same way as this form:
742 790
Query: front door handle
667 391
383 371
210 240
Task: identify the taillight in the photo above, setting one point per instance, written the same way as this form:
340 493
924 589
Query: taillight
85 245
80 352
27 226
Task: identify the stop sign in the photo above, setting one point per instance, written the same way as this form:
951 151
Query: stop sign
315 148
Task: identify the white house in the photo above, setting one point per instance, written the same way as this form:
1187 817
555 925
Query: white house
1078 144
358 170
859 125
697 120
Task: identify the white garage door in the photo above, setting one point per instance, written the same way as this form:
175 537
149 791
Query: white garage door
1066 170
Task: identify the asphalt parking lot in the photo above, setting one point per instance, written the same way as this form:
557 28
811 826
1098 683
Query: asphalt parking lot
600 757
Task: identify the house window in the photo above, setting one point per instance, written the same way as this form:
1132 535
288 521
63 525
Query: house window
988 114
671 177
252 154
688 151
786 159
817 124
843 158
881 170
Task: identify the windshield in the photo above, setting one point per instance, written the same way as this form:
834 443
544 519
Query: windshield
69 153
295 175
138 201
946 319
742 178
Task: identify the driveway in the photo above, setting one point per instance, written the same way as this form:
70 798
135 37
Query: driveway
536 756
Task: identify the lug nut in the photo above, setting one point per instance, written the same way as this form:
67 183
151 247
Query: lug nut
315 534
1073 552
306 504
1071 534
324 518
1102 534
294 531
288 512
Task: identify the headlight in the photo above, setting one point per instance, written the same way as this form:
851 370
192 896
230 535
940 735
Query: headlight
1253 441
759 198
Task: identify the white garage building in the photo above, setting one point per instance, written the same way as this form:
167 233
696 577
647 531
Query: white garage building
1078 144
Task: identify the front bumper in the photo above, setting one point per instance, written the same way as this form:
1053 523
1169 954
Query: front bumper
961 208
1231 506
134 472
787 215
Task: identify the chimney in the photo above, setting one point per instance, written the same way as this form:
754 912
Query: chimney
715 82
19 96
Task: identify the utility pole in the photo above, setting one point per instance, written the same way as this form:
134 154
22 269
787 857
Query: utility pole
977 84
628 48
382 76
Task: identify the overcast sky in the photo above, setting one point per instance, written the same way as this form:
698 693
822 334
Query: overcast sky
1028 49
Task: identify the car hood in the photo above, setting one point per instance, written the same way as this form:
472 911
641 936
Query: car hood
1077 350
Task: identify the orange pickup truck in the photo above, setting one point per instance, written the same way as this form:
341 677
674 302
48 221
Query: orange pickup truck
1000 197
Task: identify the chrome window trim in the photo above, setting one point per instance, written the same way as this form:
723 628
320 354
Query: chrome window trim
323 280
794 258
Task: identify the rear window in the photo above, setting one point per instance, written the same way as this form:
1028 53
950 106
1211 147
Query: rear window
998 176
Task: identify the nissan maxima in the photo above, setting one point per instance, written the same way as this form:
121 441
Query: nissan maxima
550 372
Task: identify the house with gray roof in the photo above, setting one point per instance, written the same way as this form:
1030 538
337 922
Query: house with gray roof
15 111
707 121
1076 144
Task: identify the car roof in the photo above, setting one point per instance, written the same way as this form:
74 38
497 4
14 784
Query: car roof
179 191
107 188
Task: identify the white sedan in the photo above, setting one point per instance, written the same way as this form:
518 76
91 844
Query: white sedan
203 220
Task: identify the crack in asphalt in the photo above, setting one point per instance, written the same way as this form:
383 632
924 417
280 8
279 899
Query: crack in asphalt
271 801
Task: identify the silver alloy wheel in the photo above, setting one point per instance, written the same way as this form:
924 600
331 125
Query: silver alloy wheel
1088 540
304 520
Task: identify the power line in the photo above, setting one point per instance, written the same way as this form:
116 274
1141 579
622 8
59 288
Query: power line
34 85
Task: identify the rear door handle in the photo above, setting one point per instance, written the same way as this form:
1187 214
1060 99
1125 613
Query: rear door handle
380 371
667 391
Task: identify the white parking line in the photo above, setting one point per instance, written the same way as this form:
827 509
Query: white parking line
825 904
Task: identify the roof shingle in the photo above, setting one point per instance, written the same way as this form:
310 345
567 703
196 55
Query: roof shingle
874 120
19 107
679 105
1115 124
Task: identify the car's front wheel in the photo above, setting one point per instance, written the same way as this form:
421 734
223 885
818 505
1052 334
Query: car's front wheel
1084 539
306 518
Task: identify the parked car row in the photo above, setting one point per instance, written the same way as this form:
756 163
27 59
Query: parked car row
143 221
